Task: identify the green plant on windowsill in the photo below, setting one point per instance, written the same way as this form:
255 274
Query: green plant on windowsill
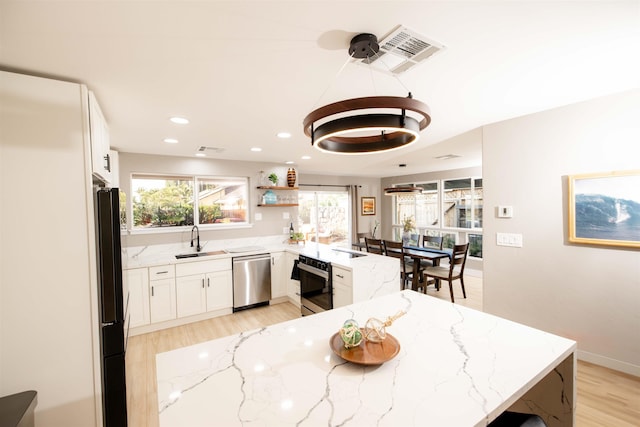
407 224
273 178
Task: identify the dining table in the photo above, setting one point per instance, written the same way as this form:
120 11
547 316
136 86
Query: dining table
418 253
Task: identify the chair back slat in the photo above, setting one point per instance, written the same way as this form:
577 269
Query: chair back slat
432 242
374 246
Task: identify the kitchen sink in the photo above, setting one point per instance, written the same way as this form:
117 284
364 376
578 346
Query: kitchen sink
199 254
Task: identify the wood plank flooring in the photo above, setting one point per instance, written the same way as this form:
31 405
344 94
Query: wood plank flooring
606 398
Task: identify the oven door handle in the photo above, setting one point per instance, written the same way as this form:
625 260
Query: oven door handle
313 270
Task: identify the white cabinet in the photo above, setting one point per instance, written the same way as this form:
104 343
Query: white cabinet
162 301
279 276
203 286
190 295
342 287
293 286
219 290
100 144
136 281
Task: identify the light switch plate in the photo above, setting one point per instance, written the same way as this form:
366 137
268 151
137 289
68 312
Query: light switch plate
285 215
509 239
258 216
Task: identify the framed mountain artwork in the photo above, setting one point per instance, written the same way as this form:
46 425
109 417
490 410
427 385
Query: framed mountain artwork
604 208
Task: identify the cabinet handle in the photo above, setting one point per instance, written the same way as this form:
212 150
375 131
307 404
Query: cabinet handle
340 276
208 283
108 159
202 283
152 291
162 272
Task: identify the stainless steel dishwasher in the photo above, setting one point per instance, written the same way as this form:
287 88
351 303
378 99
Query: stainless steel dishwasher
251 281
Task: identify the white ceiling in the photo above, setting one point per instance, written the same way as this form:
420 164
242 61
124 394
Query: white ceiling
242 71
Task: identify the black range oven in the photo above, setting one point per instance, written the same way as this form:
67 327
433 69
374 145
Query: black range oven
316 291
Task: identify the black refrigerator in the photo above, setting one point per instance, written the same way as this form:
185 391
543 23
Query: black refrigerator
113 327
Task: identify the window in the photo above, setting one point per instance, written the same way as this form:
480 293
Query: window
323 216
171 201
462 203
442 206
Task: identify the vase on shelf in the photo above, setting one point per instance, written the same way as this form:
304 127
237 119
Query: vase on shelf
291 177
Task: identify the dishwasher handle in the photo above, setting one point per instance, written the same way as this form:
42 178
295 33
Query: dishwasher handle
250 258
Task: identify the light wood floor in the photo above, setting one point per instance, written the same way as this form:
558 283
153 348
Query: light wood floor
606 398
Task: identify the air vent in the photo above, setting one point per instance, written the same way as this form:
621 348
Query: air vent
400 51
203 149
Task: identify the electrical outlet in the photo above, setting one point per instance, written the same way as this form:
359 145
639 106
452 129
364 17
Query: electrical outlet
285 230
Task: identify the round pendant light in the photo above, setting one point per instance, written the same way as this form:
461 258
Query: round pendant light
368 124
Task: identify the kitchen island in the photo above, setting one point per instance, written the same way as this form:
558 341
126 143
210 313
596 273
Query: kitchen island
456 367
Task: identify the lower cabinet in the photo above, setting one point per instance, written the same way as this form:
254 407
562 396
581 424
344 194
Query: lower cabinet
162 301
137 283
293 286
279 275
203 286
342 287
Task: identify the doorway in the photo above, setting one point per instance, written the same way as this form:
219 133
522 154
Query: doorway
323 216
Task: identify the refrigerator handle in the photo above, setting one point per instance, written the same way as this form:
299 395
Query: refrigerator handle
152 291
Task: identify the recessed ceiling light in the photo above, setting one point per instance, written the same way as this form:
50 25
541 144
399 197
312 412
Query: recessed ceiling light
179 120
201 155
306 157
256 149
289 162
284 135
170 140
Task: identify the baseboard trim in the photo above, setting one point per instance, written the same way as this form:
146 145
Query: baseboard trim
607 362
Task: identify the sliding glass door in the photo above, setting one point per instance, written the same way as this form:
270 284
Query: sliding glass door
323 216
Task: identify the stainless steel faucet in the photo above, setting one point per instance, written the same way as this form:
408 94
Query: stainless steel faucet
198 247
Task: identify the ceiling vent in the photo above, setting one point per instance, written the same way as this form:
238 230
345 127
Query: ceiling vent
400 51
203 149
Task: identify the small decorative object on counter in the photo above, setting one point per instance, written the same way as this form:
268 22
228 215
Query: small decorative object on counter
273 178
269 198
291 177
351 334
375 330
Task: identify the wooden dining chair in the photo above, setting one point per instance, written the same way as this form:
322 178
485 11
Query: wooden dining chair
359 243
454 271
431 242
374 246
396 250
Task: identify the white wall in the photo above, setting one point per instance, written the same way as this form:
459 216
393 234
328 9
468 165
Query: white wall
587 293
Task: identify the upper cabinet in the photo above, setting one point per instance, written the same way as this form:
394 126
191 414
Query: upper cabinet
100 145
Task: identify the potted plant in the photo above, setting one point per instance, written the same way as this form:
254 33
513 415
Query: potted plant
273 178
408 226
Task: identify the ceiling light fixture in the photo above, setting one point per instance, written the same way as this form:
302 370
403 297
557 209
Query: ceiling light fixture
283 135
341 127
256 149
391 191
179 120
170 140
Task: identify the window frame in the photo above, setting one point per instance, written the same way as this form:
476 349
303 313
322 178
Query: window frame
461 233
195 181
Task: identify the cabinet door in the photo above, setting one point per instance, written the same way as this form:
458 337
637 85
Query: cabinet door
293 286
100 145
190 295
163 300
219 290
278 275
342 295
137 283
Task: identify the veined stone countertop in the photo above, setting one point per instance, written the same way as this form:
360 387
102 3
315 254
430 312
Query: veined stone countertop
153 255
456 367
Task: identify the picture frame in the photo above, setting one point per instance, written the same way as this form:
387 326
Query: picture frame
604 208
367 206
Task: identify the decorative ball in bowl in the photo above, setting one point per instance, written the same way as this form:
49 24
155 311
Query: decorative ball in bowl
351 334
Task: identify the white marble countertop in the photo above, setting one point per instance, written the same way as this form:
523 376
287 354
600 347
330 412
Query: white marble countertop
148 256
456 367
